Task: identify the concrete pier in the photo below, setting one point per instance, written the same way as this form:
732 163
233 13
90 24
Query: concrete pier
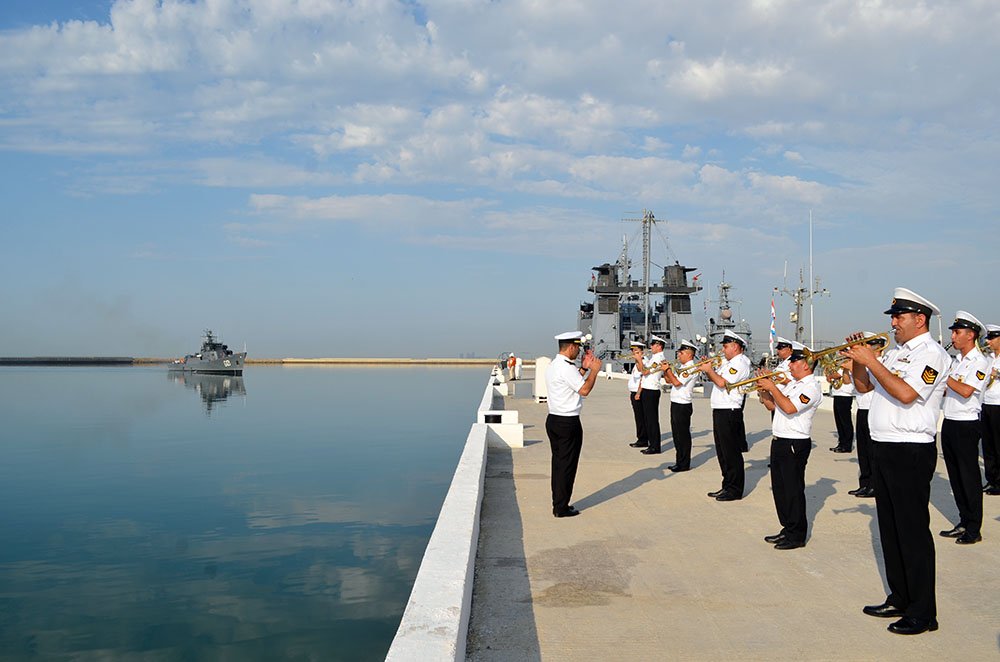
653 569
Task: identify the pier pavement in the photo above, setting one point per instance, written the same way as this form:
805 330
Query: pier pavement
653 569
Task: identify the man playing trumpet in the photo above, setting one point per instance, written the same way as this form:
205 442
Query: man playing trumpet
794 405
680 405
908 385
635 397
727 415
960 430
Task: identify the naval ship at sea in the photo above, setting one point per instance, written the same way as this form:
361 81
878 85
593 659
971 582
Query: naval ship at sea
214 358
626 309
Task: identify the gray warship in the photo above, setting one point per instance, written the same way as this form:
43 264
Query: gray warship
626 309
214 358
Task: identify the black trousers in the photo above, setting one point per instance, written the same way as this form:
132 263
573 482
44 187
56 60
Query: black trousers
902 479
960 447
650 399
864 449
680 431
990 418
727 429
566 441
842 405
788 485
640 421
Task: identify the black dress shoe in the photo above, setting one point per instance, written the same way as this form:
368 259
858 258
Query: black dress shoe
856 492
728 496
650 451
676 468
638 444
866 493
840 449
716 493
968 538
953 533
569 512
789 544
884 610
908 625
776 538
992 490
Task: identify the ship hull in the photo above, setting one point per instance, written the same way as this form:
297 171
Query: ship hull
227 365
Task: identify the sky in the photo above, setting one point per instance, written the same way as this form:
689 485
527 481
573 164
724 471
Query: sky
422 179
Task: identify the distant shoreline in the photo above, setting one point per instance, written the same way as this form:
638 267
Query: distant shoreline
129 360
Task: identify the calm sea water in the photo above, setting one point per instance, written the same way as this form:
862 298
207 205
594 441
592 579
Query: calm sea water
281 515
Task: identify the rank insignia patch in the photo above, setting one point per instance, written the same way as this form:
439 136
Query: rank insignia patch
803 398
733 371
929 374
980 375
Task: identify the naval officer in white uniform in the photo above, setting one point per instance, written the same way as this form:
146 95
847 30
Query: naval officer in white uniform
567 387
961 428
794 404
727 415
681 408
909 385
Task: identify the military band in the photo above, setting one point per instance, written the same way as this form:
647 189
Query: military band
900 394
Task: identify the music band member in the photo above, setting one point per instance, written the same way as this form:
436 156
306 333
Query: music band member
634 378
794 405
960 429
783 350
567 388
990 415
649 394
727 416
842 391
865 489
681 408
907 385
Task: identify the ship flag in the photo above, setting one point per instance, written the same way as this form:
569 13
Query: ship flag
774 332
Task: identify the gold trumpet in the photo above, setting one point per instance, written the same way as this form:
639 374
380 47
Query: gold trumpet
716 361
749 385
673 365
816 356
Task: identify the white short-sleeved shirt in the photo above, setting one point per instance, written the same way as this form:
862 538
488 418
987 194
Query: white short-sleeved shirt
651 382
991 396
682 394
634 378
732 371
563 380
846 390
972 369
864 400
923 364
806 395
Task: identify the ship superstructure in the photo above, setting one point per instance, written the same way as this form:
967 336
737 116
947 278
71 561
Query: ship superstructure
624 309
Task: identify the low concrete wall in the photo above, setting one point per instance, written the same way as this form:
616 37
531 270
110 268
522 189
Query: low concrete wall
436 620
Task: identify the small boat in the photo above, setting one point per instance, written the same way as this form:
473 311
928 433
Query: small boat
214 358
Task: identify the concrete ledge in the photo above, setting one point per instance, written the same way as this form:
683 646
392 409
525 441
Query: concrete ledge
436 620
504 429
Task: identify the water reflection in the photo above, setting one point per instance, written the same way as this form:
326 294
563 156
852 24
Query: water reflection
212 388
291 529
